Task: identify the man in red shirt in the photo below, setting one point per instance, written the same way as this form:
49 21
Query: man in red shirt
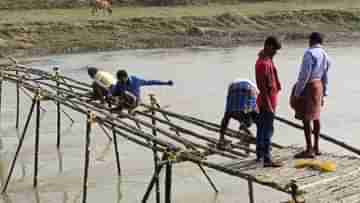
269 85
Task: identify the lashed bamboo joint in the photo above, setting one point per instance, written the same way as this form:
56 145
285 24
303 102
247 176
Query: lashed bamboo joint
162 131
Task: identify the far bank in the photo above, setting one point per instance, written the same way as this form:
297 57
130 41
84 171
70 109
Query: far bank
55 32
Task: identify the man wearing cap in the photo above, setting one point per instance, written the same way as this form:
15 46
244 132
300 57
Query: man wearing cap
240 105
267 81
128 89
311 88
103 81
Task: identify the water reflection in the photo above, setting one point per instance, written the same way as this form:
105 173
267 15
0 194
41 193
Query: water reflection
119 193
60 160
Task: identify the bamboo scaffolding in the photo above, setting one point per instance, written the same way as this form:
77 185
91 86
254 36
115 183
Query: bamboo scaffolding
173 140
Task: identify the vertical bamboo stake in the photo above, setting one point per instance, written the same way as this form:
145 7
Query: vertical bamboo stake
37 134
89 121
251 191
156 159
152 183
17 102
19 145
168 182
116 152
58 129
1 82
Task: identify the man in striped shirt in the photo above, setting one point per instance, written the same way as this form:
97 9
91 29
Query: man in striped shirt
240 105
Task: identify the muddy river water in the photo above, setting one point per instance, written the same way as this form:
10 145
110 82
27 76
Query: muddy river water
200 76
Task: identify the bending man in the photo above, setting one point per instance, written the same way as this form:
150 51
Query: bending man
240 105
128 89
103 82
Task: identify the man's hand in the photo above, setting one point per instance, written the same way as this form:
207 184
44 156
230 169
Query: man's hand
170 83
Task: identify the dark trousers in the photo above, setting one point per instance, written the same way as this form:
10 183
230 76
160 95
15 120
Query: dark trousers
99 92
265 130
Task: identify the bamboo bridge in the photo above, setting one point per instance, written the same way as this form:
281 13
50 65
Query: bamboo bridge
174 138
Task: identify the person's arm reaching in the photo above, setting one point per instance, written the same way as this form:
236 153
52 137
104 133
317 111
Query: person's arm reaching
143 82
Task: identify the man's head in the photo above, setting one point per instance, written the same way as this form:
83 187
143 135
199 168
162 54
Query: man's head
315 38
122 76
271 45
92 71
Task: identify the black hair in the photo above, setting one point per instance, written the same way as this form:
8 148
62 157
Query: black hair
121 74
92 71
316 38
273 42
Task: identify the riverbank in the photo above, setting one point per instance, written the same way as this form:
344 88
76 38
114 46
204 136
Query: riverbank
53 31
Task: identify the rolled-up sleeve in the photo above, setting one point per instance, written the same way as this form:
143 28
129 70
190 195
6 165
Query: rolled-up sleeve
325 78
305 73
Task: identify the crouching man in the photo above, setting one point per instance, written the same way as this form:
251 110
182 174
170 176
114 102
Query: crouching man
240 105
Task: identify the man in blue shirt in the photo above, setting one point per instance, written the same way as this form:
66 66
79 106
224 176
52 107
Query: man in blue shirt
127 88
240 105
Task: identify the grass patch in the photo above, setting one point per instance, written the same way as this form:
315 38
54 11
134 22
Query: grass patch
242 8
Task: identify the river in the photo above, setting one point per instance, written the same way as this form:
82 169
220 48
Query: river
201 76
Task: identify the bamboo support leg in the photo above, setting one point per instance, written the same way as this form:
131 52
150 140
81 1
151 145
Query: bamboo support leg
116 153
251 191
208 178
19 145
87 157
154 179
58 109
177 132
168 182
1 82
105 132
17 103
156 158
37 134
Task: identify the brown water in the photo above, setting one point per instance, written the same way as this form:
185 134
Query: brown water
201 76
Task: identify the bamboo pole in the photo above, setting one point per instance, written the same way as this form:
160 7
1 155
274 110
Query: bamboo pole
37 134
323 136
208 178
19 145
58 123
251 192
74 105
178 133
154 179
89 121
168 182
206 125
105 132
17 103
116 150
189 132
1 84
155 155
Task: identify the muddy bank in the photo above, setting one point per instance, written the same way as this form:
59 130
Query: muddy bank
41 38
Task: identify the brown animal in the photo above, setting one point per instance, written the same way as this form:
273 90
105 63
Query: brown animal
104 5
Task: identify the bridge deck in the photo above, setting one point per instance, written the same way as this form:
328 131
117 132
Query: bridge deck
343 185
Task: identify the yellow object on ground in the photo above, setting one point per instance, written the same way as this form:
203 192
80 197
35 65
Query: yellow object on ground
324 166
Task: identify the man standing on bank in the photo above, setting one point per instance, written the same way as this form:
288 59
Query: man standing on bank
269 85
310 88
